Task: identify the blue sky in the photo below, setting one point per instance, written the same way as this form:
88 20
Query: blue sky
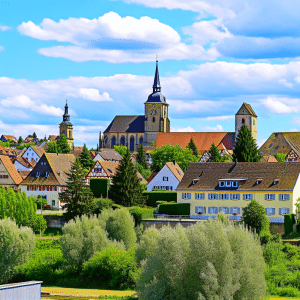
100 55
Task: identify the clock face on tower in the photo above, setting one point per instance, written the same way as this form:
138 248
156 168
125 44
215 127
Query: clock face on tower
153 112
154 105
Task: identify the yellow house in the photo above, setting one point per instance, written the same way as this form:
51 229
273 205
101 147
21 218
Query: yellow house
9 176
229 187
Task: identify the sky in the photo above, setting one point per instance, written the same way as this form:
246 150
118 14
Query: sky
100 55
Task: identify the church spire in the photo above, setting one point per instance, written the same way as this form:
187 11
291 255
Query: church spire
156 83
66 116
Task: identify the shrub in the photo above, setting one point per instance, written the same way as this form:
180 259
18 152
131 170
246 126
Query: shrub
16 244
112 267
37 223
99 186
175 209
82 238
273 253
101 203
154 196
140 213
289 221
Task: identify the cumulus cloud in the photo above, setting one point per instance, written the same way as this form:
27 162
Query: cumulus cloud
182 129
218 118
1 48
4 28
216 128
281 105
93 95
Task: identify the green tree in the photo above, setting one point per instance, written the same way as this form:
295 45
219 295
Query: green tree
144 172
245 147
254 216
121 149
166 153
141 157
16 244
215 155
20 140
34 135
126 189
85 159
52 147
280 157
62 144
77 195
191 145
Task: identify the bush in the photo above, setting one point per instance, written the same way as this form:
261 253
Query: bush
16 244
38 202
289 221
140 213
101 203
99 186
175 209
37 223
112 267
155 196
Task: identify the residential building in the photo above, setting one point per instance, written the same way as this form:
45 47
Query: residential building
33 153
49 177
110 155
9 176
23 164
4 138
167 178
229 187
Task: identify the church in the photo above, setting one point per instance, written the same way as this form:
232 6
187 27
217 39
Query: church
66 127
130 131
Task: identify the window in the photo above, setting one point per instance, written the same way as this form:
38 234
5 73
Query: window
37 174
235 210
153 119
213 210
258 181
165 178
284 211
53 203
270 211
247 196
284 197
243 121
186 195
224 210
47 174
53 188
271 145
234 184
223 196
275 181
200 196
221 183
228 184
269 196
200 209
235 197
213 196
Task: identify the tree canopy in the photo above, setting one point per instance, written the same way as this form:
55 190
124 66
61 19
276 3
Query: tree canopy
245 147
166 153
215 155
85 158
141 157
120 149
191 145
280 157
61 146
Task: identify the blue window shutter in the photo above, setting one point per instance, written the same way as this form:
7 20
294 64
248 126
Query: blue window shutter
182 195
238 196
189 195
280 210
273 196
227 210
244 197
266 210
227 196
251 196
231 210
239 210
288 197
266 196
209 196
216 196
280 196
288 210
231 197
273 211
203 196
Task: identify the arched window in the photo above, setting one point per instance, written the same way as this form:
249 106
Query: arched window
131 148
122 140
113 142
243 121
141 140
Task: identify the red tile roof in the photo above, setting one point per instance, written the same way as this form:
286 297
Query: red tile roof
11 169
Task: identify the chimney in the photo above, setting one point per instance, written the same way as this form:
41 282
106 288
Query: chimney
174 161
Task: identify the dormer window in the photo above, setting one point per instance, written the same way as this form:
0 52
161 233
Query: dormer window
228 184
258 181
275 181
221 183
234 184
37 174
47 174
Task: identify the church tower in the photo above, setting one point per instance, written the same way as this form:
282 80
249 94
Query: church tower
246 116
156 112
66 127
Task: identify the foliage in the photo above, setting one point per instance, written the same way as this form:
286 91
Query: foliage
52 147
215 155
126 189
280 157
27 145
289 221
37 223
120 226
77 194
141 157
99 186
112 267
38 201
16 244
81 239
34 135
192 146
7 144
20 140
209 260
121 149
61 146
102 203
144 172
245 147
175 209
154 196
85 158
166 153
140 213
254 217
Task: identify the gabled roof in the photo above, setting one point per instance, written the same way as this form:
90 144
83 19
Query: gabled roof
109 167
53 138
268 158
153 174
24 174
11 169
76 151
202 140
110 155
246 109
175 169
23 161
126 124
10 137
38 150
209 174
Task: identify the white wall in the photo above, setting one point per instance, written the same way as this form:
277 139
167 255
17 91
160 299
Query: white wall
20 167
29 154
296 193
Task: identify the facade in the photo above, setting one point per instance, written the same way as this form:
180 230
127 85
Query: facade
130 131
33 153
66 127
9 176
167 178
4 138
49 177
30 290
22 164
229 187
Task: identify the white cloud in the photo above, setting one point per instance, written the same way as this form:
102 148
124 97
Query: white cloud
4 28
1 48
216 128
277 105
182 129
93 95
285 83
218 118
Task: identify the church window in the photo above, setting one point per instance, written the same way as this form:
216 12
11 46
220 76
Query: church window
122 140
113 142
243 121
141 140
153 120
271 145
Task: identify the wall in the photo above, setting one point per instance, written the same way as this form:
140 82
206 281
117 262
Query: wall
29 154
30 290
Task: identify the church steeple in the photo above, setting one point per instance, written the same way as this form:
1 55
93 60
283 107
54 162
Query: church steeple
156 83
66 116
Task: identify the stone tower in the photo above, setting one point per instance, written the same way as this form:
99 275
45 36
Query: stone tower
66 127
246 116
156 112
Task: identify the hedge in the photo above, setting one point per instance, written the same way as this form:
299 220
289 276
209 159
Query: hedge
175 209
99 186
140 213
152 197
289 221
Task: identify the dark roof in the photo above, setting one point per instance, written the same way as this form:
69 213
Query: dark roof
156 97
246 109
126 124
110 155
209 174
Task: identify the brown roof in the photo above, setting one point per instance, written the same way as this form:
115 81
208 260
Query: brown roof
202 140
11 169
207 175
153 174
109 167
10 137
76 151
246 109
38 150
111 155
23 161
53 137
268 158
24 174
60 165
175 169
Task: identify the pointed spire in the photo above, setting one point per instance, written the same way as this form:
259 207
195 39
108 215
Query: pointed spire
156 84
66 116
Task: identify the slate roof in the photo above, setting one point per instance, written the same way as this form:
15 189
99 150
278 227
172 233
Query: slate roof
203 140
246 109
156 97
11 169
126 124
210 173
111 155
